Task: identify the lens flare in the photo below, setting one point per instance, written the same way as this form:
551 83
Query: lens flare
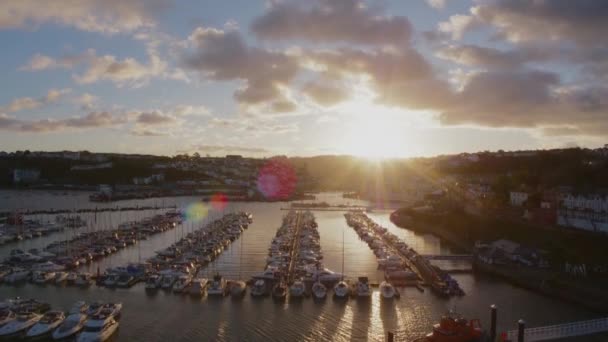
277 179
196 212
219 201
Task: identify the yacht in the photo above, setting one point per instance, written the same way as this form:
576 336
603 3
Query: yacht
46 324
111 280
111 309
125 280
279 291
259 288
327 276
84 280
23 322
362 287
153 282
297 289
387 290
167 281
6 316
61 277
98 328
18 274
217 286
70 326
198 287
182 283
341 290
319 290
238 288
94 308
42 277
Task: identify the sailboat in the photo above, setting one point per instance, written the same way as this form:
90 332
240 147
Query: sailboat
342 288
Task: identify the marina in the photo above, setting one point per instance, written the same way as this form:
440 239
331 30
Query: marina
250 319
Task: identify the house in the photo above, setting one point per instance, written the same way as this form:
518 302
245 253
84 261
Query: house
518 198
86 167
157 178
25 175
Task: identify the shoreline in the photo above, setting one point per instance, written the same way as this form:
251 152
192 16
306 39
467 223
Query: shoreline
543 282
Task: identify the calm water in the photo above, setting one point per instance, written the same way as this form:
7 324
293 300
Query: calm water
166 316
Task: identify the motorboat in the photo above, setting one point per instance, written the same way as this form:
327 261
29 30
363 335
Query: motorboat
362 287
17 275
454 328
23 322
238 288
111 280
72 276
259 288
47 266
61 277
78 307
167 281
98 328
84 280
42 277
297 289
182 283
72 325
45 326
153 282
217 287
198 287
342 290
111 309
327 276
319 290
279 291
125 280
94 308
387 290
6 316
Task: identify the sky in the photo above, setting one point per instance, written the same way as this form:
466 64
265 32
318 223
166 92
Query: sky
372 78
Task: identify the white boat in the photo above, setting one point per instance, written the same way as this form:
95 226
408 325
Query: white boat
45 326
84 279
319 290
297 289
23 322
94 308
217 287
362 287
42 277
326 275
153 282
6 316
78 307
18 274
98 328
167 281
70 326
342 290
61 277
259 288
182 283
111 309
387 290
198 287
238 288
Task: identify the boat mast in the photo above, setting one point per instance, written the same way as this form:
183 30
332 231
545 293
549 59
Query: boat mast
343 252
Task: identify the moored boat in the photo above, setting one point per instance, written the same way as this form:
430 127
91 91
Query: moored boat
19 325
362 289
319 290
297 289
217 286
98 328
238 288
259 288
45 326
279 291
198 288
341 290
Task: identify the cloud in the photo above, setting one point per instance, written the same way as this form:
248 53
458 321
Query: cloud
473 55
91 120
229 149
223 55
155 118
324 93
142 132
86 100
26 103
457 25
439 4
184 110
330 21
106 16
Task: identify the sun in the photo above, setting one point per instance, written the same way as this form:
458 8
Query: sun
373 131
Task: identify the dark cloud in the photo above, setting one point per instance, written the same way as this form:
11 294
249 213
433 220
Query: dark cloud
155 118
224 55
330 21
324 93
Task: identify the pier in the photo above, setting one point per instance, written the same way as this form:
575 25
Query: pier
452 257
295 247
558 331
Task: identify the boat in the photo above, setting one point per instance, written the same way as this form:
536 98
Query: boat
42 277
387 290
182 283
23 322
126 280
6 316
362 288
111 280
153 282
341 290
259 288
217 286
111 309
319 290
61 277
167 281
198 287
297 289
98 328
17 275
84 280
454 328
279 291
238 288
70 326
71 278
94 308
45 326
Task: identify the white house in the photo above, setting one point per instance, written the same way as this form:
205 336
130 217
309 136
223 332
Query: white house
518 198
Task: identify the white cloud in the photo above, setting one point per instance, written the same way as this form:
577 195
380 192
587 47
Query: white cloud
25 103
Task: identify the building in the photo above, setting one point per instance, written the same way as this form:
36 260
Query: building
157 178
584 211
86 167
25 175
518 198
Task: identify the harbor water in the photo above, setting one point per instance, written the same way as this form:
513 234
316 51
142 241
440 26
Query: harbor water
167 316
